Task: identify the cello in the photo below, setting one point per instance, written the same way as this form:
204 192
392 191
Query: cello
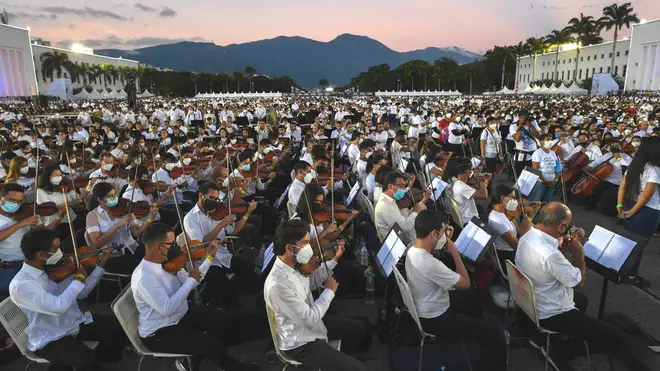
586 185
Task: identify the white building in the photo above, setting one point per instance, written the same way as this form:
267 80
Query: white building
17 77
78 57
644 70
636 61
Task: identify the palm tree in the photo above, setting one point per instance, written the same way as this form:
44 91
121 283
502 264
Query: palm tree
83 71
56 62
323 83
520 49
410 69
583 28
110 74
95 72
558 38
238 76
506 51
250 71
536 47
616 16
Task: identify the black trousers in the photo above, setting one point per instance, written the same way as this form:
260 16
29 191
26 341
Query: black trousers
601 337
491 165
354 335
598 192
70 351
206 332
220 288
488 335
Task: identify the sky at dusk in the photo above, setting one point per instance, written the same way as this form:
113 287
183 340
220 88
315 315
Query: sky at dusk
475 25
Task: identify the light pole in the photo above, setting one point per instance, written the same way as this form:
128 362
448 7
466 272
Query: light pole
398 84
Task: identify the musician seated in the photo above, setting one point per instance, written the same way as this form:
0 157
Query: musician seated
57 327
327 231
464 195
375 162
303 326
187 157
387 211
560 308
201 227
503 220
430 281
12 230
367 148
304 175
106 173
121 151
588 148
105 229
50 190
619 161
162 175
545 160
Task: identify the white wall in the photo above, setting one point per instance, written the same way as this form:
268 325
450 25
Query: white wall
90 59
593 59
16 68
644 57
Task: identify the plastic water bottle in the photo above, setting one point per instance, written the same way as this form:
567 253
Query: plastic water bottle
370 296
507 335
259 260
364 255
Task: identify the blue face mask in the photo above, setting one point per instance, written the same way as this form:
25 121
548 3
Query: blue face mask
10 207
400 193
245 167
112 202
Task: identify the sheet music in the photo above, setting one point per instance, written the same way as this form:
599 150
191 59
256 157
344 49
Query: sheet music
403 165
279 201
475 162
268 256
526 181
439 186
352 194
390 253
608 248
343 150
472 240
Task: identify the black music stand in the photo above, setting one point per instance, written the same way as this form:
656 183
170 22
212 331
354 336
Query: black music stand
623 273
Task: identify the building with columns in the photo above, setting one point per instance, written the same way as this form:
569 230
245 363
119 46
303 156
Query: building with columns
644 57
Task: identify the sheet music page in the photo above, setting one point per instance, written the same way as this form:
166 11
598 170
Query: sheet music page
343 150
279 201
439 185
268 256
386 249
466 235
476 245
597 242
526 181
617 252
351 195
403 165
475 162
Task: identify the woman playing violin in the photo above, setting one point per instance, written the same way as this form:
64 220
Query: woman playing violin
103 229
50 190
135 192
19 173
327 231
374 163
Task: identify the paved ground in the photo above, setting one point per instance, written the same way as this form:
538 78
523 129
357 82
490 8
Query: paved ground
621 298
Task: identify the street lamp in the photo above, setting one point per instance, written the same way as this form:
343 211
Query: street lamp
398 84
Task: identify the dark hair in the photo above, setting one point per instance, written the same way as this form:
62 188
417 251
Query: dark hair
391 177
289 232
648 152
169 158
12 187
500 191
101 190
301 165
44 182
156 232
374 159
246 154
381 173
204 188
427 221
38 239
312 190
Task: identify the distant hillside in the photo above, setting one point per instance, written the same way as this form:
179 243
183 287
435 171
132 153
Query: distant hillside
304 59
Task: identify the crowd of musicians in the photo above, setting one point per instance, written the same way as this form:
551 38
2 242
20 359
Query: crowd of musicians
180 199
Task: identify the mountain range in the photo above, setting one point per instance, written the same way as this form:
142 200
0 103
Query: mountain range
306 60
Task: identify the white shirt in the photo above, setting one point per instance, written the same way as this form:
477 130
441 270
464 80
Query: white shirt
617 173
651 174
98 220
58 199
370 184
361 169
380 139
160 297
163 176
118 183
387 213
462 195
298 317
51 307
198 225
456 139
547 162
429 281
295 192
353 154
493 140
10 247
552 275
501 224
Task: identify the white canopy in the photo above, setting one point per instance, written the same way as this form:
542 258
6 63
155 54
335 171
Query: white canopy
239 95
145 94
427 93
82 95
505 90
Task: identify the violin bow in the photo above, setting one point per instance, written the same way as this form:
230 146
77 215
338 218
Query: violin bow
332 179
183 228
36 181
316 234
229 179
68 217
515 177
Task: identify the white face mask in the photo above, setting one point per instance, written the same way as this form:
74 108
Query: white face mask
53 259
73 160
442 242
24 170
186 161
308 178
368 154
547 144
107 167
512 204
125 146
233 141
56 180
304 254
169 166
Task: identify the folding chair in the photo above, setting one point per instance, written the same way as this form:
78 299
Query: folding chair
107 276
452 209
404 289
15 322
127 315
276 341
522 290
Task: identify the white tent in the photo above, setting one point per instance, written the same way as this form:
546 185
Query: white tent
528 89
120 94
536 89
145 94
82 95
60 88
505 90
575 89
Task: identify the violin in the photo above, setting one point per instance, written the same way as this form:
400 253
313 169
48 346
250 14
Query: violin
67 266
324 214
411 198
27 210
176 172
197 252
121 209
237 209
325 252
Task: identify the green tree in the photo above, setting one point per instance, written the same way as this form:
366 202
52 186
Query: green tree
249 72
536 46
323 83
95 72
110 74
238 76
55 63
584 28
617 16
558 38
521 49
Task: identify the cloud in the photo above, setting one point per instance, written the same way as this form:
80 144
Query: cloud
145 8
31 16
167 12
86 12
113 41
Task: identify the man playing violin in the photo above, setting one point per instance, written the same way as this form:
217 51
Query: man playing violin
13 230
165 175
57 327
199 226
303 326
105 173
167 324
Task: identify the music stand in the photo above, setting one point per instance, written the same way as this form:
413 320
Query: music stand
242 121
474 240
354 190
527 180
610 274
394 247
269 254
